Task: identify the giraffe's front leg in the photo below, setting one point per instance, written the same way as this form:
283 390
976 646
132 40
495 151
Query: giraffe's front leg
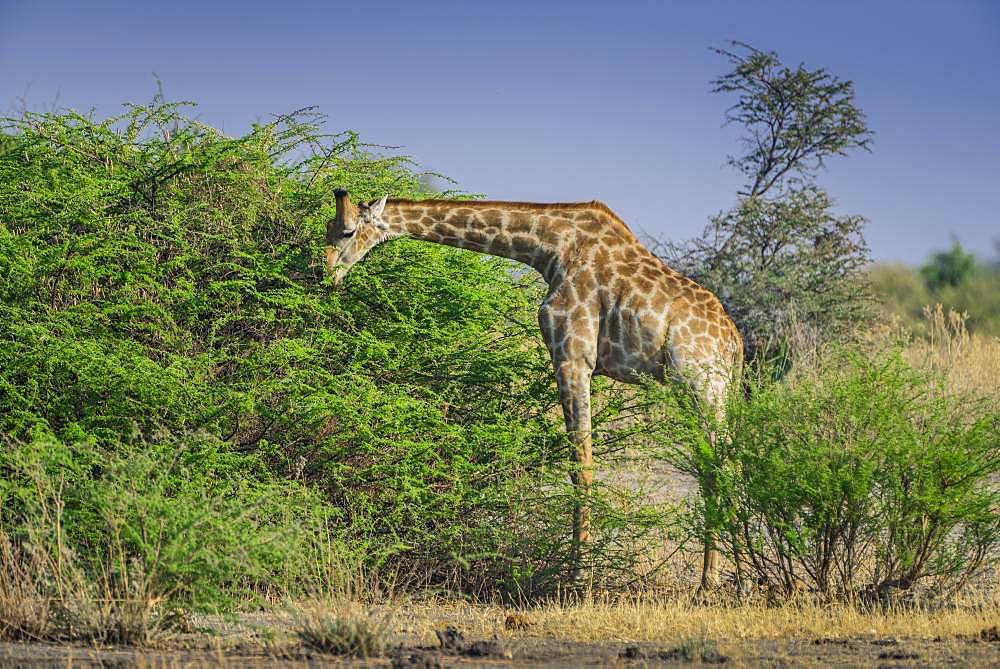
573 379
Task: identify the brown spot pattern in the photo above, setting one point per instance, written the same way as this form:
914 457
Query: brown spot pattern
613 308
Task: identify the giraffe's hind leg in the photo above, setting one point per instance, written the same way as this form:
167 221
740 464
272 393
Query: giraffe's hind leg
710 382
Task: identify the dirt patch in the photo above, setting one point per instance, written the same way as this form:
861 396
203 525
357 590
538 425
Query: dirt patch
453 642
696 649
542 653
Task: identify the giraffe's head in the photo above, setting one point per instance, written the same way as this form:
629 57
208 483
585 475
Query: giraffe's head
352 233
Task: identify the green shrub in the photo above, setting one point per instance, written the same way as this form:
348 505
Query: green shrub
160 278
147 526
867 475
859 477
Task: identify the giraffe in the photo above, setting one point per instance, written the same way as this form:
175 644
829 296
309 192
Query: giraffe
612 308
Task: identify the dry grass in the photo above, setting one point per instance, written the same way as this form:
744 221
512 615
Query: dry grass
344 628
667 621
25 609
970 363
678 628
49 598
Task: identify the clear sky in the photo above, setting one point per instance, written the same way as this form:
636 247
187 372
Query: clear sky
557 101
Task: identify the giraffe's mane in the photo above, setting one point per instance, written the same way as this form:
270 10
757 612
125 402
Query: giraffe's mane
594 205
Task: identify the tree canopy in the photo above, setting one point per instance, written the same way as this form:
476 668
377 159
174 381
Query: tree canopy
780 258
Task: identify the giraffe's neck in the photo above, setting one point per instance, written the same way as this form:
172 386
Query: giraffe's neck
530 234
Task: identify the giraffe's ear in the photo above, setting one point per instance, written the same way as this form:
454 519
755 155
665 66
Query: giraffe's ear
377 207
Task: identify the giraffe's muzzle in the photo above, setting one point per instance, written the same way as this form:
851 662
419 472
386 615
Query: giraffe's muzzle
333 267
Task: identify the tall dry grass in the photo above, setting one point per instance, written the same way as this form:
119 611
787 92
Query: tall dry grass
969 362
49 597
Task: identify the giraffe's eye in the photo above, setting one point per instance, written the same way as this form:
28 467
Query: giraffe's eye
350 233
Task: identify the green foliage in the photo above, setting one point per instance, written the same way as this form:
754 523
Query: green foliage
781 259
115 535
162 289
858 477
190 413
948 268
794 118
697 649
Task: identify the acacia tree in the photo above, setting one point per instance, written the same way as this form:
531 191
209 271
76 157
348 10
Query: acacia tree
781 256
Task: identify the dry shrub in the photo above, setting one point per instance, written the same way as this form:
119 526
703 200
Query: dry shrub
342 627
349 610
25 613
46 598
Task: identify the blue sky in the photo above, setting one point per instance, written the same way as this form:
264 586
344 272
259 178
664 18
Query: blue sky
557 101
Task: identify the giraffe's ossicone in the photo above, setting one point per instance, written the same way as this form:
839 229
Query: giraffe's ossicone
612 307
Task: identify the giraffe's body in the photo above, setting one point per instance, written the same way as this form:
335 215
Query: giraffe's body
613 308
